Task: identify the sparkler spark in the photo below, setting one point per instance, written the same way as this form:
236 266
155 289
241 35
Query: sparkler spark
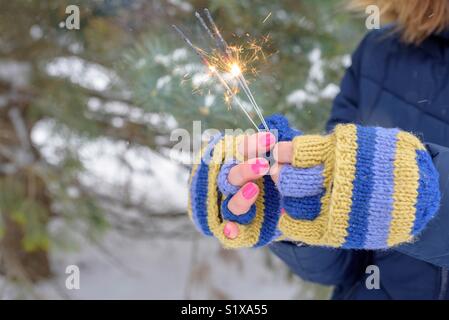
266 18
234 61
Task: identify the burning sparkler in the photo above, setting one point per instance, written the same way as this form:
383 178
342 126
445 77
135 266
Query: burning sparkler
230 60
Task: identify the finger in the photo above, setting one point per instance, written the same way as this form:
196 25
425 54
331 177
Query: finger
231 230
256 144
247 171
275 170
283 152
242 201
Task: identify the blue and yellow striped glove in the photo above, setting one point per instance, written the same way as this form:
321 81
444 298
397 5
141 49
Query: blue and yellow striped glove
379 188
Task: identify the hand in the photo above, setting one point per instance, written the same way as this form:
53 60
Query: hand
224 196
243 175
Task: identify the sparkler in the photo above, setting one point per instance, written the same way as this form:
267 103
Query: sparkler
227 59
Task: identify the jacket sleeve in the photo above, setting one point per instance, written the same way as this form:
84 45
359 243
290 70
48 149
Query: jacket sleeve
433 244
326 266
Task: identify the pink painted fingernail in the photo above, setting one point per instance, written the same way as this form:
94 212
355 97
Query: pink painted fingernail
230 231
227 231
267 139
249 191
261 165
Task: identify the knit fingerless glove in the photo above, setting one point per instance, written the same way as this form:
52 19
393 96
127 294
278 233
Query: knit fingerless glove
210 191
366 188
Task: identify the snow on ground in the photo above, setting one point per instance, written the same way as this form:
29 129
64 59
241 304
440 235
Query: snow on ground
172 269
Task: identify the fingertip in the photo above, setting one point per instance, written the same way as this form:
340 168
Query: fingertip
256 144
267 140
259 166
231 230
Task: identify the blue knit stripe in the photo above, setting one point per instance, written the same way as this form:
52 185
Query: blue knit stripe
278 125
428 199
381 202
305 208
208 151
362 188
271 198
199 199
199 186
193 199
301 182
245 218
223 183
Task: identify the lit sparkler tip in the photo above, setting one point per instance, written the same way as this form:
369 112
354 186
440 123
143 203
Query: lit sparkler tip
235 70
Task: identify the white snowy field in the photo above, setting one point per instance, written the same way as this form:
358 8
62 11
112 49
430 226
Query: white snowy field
173 269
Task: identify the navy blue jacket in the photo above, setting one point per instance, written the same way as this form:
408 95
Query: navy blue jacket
391 84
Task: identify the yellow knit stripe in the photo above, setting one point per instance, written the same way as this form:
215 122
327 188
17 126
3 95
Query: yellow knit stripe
343 184
248 234
213 211
307 231
308 150
225 148
406 182
338 154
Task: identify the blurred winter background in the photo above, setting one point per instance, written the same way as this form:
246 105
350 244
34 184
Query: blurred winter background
86 173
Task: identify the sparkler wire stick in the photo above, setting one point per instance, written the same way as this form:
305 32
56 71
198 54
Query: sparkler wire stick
233 96
187 40
204 25
247 91
222 41
225 48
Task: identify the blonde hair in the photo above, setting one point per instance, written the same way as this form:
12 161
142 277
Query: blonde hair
415 20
